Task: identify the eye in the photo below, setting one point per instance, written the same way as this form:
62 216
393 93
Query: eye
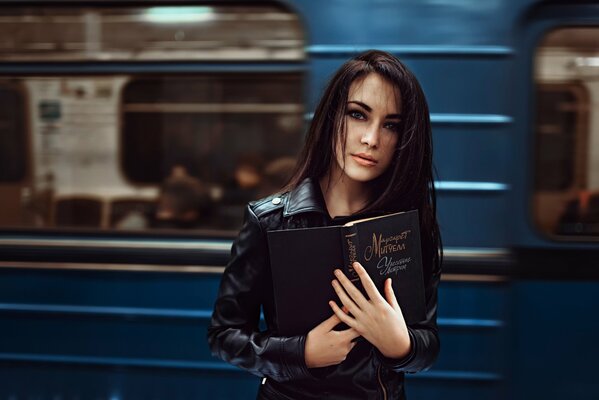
393 126
356 114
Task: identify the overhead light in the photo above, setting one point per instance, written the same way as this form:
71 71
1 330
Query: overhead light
172 15
587 61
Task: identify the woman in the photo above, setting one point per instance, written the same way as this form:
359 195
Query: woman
368 152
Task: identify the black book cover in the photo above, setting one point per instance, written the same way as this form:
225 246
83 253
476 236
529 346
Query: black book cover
303 260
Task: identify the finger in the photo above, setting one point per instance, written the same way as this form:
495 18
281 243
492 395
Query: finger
329 323
349 321
351 289
347 302
349 334
371 290
390 295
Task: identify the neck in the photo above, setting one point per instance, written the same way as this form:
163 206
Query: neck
342 195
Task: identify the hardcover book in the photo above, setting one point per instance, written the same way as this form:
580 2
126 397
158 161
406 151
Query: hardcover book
303 260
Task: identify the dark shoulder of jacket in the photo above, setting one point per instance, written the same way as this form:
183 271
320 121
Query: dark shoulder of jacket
268 205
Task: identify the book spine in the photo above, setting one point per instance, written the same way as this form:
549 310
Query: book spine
350 251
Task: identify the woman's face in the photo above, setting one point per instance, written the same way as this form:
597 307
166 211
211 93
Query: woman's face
372 126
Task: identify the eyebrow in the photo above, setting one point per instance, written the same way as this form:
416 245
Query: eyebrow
369 109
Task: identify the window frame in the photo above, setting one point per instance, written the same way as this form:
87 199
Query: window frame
19 90
86 239
550 27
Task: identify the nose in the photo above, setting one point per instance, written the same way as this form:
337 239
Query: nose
370 137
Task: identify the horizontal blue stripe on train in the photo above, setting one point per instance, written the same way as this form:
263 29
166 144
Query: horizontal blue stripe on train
469 323
349 50
470 119
457 375
471 186
460 119
497 255
207 365
190 314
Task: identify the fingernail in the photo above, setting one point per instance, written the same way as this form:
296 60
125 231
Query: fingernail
337 271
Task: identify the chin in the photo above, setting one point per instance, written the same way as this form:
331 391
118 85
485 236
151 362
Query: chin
361 174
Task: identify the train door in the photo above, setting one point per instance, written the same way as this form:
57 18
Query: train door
15 168
555 205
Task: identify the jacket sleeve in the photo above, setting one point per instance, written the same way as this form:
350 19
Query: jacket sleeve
233 334
423 336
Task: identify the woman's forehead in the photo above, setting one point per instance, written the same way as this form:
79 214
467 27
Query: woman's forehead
376 92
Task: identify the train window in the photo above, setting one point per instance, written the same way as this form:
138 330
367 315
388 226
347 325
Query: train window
214 32
233 135
566 197
560 121
161 152
207 123
12 135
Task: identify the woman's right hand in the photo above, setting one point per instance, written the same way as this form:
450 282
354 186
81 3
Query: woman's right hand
325 347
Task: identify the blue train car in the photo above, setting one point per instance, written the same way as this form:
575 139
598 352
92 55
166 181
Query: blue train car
132 133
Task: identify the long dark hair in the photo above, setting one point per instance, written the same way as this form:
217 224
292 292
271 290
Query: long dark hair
408 182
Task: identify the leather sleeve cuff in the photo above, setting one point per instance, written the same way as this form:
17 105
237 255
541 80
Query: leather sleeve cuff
293 358
399 364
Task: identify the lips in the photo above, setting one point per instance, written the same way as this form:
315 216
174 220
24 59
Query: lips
364 159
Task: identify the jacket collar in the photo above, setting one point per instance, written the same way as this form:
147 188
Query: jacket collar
306 197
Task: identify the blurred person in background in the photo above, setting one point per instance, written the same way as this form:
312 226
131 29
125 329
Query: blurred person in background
184 202
276 175
245 181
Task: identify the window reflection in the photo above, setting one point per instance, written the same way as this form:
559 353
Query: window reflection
218 133
128 153
566 199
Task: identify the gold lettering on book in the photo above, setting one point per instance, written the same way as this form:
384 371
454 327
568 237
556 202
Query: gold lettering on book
352 256
385 245
388 266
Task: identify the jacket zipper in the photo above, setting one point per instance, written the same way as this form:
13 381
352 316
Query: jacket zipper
378 372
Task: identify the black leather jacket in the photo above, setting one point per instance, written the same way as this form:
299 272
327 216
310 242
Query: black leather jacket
246 286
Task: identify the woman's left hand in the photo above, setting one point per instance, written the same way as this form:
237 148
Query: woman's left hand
378 320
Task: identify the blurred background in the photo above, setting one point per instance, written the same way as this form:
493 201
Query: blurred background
132 134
